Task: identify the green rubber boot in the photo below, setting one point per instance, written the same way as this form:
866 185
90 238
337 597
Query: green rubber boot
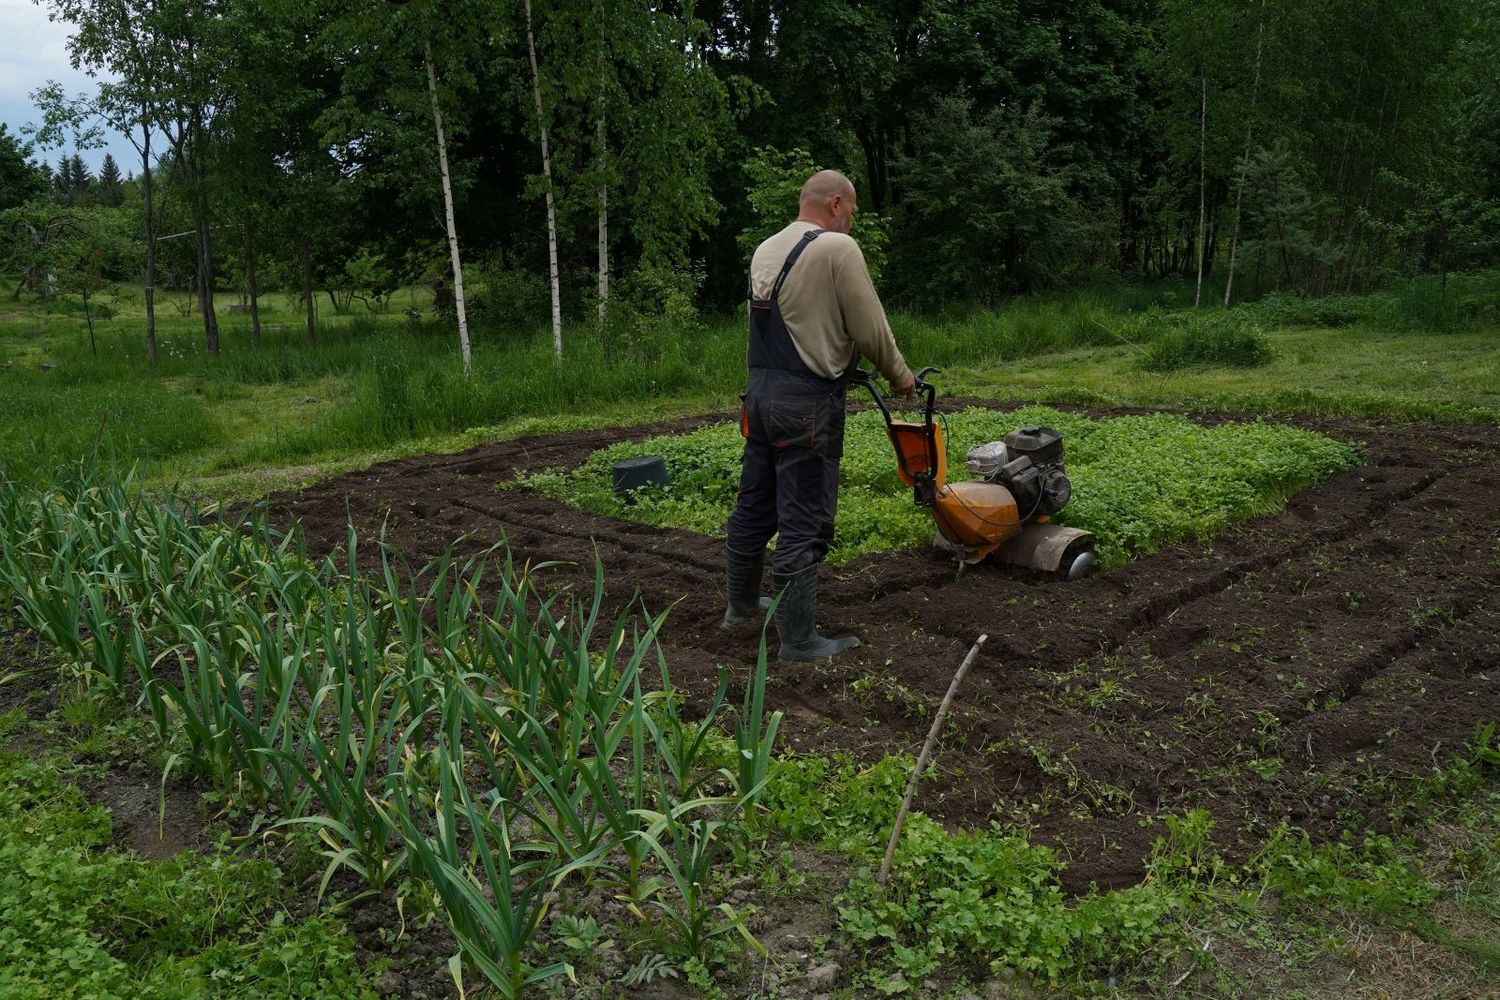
743 575
800 640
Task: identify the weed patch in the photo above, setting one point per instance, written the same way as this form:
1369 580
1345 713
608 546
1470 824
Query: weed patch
988 902
80 920
1138 482
989 899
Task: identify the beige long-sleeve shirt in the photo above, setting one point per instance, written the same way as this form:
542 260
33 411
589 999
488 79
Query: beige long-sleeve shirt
828 302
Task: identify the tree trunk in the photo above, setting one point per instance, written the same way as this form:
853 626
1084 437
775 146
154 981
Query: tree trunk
205 290
603 249
1239 195
93 345
1211 247
1202 181
601 149
148 205
541 121
192 158
307 289
251 285
458 268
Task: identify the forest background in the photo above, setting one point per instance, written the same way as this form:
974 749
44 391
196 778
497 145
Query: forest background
600 151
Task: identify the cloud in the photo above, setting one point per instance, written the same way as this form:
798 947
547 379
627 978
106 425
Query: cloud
34 50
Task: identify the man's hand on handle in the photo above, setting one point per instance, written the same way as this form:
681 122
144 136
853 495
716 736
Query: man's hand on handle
906 387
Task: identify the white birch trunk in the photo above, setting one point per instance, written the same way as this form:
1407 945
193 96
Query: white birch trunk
541 121
1239 195
458 267
1202 183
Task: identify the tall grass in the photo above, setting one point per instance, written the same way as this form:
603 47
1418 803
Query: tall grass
403 378
400 379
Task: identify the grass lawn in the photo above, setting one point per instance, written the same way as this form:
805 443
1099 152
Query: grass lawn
1351 371
379 385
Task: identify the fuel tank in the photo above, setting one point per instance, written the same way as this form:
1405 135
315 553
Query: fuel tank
976 518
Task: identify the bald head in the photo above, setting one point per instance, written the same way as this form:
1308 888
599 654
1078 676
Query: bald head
828 201
824 185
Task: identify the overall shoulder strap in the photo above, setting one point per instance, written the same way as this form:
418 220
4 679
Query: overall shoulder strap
791 259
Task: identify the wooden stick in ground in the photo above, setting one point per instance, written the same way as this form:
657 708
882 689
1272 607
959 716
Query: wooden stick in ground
932 736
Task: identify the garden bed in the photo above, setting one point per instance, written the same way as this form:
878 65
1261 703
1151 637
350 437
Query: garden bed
1139 480
1298 667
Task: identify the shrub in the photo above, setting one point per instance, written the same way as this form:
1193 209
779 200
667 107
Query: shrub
658 297
1202 339
1284 309
507 298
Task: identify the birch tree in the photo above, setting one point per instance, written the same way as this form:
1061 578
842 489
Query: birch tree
452 229
601 160
405 72
543 130
1202 183
1244 166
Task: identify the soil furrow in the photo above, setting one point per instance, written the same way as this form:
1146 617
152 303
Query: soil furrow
1277 671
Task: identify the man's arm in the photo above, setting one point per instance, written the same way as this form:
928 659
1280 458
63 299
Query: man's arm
864 318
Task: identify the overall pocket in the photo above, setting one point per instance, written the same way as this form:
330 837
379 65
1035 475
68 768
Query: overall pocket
799 421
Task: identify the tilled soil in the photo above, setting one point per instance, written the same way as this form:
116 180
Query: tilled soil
1304 667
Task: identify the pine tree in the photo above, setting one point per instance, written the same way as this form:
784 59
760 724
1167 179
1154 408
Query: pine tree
62 179
111 191
72 183
82 181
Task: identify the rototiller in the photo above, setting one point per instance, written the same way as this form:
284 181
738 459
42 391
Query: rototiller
1005 512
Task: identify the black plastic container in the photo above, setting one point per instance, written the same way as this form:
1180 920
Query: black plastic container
632 473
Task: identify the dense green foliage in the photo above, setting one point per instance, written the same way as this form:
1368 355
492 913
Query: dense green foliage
82 921
1319 147
1138 482
20 178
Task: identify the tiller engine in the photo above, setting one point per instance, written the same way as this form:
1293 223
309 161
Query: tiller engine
1005 511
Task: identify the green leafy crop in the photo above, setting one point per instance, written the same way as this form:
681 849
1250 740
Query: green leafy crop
988 898
1139 482
81 919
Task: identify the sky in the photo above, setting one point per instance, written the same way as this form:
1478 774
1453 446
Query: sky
34 50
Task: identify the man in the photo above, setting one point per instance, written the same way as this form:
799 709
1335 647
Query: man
813 313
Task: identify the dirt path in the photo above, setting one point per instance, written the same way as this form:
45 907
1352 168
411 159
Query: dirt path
1291 669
